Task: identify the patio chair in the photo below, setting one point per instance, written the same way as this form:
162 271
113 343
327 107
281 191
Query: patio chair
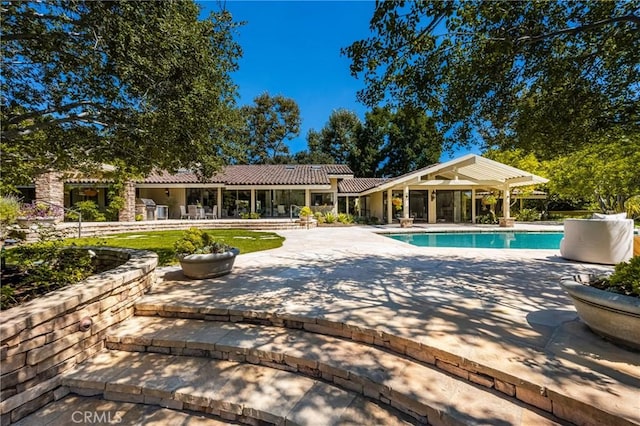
213 214
193 211
281 210
183 213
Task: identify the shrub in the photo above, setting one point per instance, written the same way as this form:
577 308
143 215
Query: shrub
89 210
305 212
9 208
345 218
329 217
626 278
9 212
254 215
45 266
633 207
527 215
486 219
367 220
319 217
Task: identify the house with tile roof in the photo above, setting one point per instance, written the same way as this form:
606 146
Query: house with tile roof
444 192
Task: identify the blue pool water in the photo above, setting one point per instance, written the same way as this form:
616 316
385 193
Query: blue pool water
497 240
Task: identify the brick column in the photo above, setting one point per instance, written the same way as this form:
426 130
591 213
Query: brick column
128 213
50 189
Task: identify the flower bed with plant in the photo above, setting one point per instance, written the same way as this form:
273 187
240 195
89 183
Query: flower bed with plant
42 267
39 210
624 280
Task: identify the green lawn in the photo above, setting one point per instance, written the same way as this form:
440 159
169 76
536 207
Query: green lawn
162 241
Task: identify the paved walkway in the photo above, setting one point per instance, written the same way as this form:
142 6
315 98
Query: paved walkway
501 308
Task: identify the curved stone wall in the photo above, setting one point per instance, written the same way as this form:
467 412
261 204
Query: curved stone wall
49 335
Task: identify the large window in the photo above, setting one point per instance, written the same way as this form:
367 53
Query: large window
322 199
453 206
235 202
419 204
283 199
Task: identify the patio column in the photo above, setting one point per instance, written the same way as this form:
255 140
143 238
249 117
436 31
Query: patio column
405 202
128 212
347 205
253 200
473 205
307 197
50 189
506 203
389 206
219 203
433 211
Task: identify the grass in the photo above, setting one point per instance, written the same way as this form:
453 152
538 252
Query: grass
161 242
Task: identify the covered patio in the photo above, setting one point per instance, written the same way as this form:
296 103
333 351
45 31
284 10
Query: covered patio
450 191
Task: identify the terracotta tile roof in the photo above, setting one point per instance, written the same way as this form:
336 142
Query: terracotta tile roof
267 174
163 176
357 185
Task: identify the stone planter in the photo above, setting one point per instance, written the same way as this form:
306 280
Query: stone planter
613 316
199 266
406 222
507 223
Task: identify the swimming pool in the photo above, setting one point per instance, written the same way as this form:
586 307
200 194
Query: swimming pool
496 240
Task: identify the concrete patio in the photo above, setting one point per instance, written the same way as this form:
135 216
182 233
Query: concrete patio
500 311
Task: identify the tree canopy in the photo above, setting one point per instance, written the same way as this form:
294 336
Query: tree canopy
388 143
269 122
137 84
539 75
605 172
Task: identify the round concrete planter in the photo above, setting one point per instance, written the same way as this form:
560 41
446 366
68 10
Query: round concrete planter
199 266
610 315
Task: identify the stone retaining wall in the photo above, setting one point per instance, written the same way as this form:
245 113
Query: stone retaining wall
47 336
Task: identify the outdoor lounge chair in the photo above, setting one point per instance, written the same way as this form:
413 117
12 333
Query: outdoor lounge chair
603 241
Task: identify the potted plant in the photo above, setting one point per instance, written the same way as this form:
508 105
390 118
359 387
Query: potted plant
201 256
305 214
610 306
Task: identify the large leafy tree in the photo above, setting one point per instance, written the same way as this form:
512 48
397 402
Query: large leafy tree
314 153
539 75
137 84
338 138
269 123
605 172
412 142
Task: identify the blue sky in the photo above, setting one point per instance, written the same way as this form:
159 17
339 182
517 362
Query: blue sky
292 48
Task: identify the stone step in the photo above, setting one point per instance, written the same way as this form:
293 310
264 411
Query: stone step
230 390
570 394
427 394
76 409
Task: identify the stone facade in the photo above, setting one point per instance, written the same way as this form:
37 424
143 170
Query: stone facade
50 189
128 213
50 335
